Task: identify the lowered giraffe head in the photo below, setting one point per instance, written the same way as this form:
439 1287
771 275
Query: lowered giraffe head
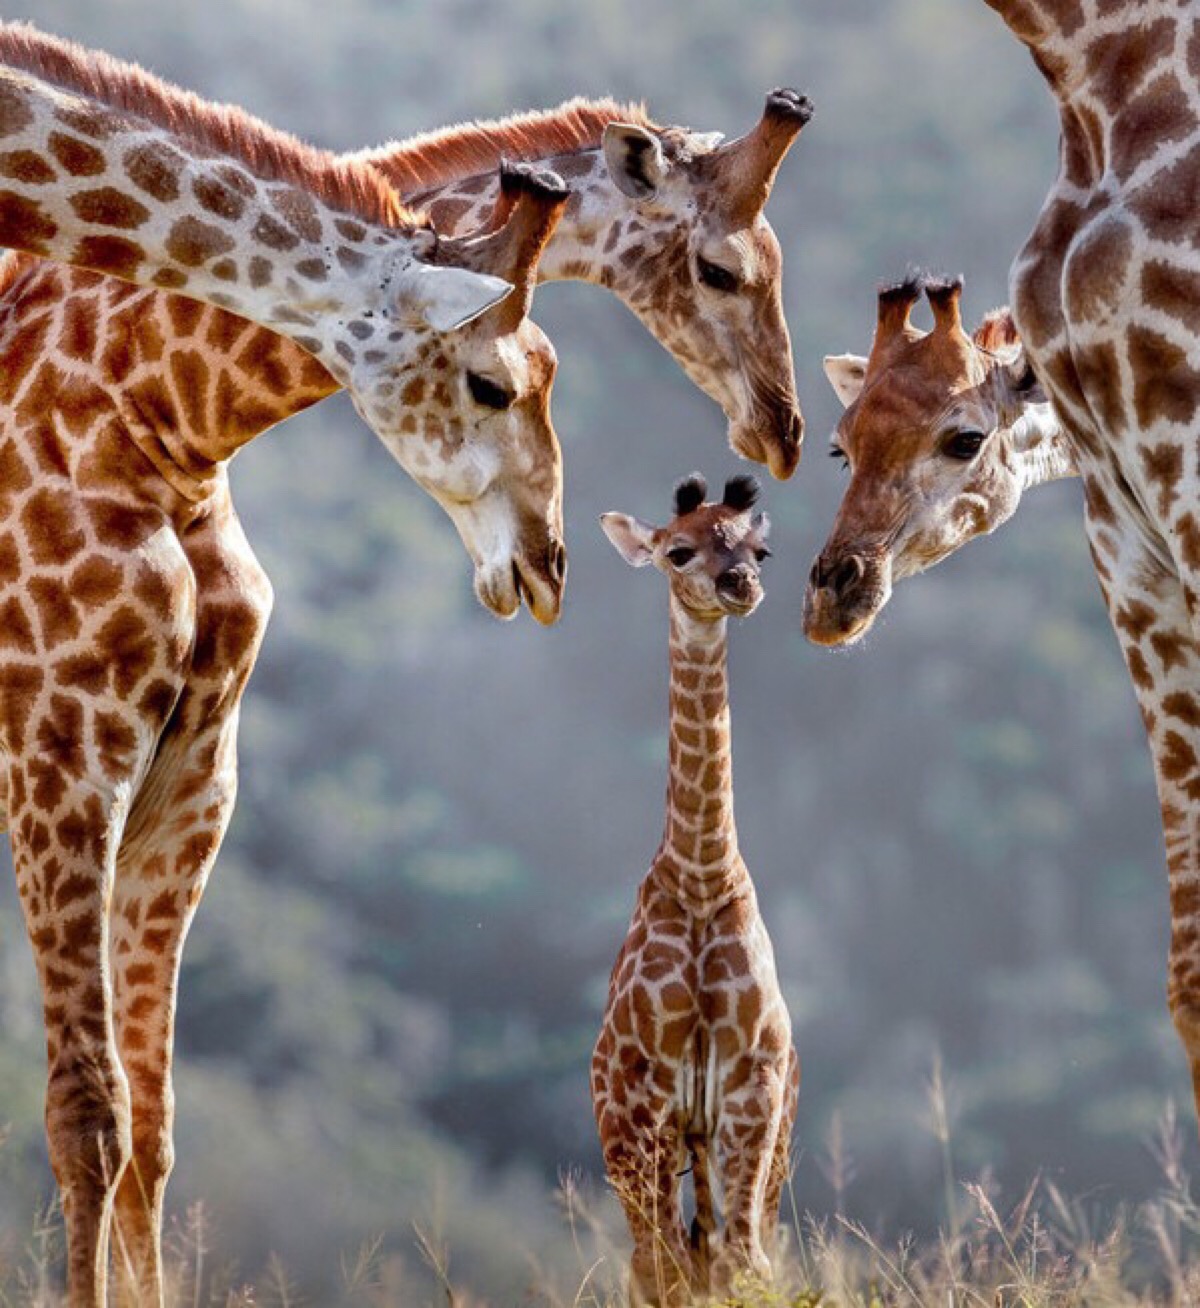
711 291
476 430
942 433
710 553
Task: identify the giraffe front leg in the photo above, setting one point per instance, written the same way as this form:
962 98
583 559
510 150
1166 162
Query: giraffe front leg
64 837
640 1138
754 1089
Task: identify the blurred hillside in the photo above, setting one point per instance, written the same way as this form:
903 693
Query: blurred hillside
394 983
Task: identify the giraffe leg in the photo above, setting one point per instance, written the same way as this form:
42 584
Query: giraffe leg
1155 614
162 869
781 1160
64 868
160 880
643 1168
641 1140
750 1032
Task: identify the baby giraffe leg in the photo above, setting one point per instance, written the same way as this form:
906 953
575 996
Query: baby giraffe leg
643 1167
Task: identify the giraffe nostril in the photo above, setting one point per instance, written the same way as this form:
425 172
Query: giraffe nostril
847 575
557 559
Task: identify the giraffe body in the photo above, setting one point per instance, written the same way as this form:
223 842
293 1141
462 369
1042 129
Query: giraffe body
1106 310
132 609
694 1069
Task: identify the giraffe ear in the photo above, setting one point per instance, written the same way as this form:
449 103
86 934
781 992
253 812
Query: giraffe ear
448 298
635 160
633 538
846 373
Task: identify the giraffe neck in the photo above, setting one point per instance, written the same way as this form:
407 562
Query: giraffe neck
105 189
1075 43
699 859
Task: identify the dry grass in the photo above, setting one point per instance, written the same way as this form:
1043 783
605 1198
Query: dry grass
1041 1252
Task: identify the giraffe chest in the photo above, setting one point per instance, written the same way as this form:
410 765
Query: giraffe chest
1108 316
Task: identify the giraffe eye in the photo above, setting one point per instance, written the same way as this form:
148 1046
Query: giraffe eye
681 555
964 445
714 276
762 553
487 392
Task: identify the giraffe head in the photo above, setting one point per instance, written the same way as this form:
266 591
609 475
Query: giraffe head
942 433
710 553
698 263
476 432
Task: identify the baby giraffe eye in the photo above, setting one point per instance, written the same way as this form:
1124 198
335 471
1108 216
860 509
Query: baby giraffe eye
836 452
487 392
681 555
762 553
714 276
964 444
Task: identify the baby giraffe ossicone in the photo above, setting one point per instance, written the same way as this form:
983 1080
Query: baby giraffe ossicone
695 1069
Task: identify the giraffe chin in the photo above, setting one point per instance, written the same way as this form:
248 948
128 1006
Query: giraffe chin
828 625
502 591
778 448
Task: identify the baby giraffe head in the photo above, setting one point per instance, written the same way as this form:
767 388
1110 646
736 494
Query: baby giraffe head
942 433
710 553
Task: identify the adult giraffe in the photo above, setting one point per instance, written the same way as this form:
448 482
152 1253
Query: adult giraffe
130 606
1106 301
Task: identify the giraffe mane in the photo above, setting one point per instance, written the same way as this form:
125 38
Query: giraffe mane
450 154
13 265
269 153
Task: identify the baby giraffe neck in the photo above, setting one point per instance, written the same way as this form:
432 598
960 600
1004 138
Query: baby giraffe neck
699 859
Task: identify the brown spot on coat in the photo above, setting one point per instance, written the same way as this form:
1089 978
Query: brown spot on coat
1166 386
192 242
51 528
219 198
155 168
23 224
107 207
115 255
79 158
26 166
15 113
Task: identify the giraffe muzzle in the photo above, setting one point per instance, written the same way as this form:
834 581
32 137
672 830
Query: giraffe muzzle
846 591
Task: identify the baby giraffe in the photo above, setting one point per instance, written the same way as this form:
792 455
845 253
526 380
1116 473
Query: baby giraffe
695 1067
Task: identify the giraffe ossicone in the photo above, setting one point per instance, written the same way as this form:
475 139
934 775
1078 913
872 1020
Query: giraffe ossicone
694 1071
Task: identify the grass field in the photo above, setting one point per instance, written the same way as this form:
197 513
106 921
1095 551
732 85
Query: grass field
1042 1250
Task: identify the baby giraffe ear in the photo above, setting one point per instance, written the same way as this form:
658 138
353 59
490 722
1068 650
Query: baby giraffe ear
846 373
635 160
633 538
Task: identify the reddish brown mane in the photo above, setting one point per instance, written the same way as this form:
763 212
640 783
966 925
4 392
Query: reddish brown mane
468 149
997 331
268 153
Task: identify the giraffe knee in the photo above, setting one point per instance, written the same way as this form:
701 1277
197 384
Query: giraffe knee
88 1125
